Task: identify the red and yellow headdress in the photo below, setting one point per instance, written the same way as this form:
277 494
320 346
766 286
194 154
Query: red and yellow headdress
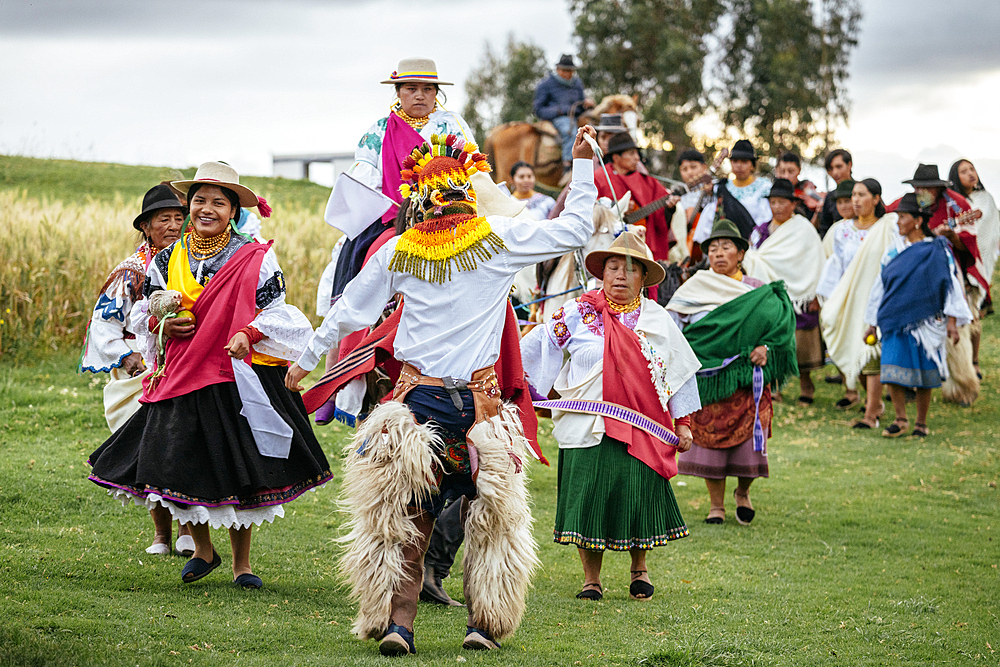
436 181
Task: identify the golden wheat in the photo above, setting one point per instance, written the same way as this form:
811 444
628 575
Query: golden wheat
54 257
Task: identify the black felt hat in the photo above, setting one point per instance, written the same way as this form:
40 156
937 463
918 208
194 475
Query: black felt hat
743 150
566 62
908 204
160 196
619 143
783 187
926 176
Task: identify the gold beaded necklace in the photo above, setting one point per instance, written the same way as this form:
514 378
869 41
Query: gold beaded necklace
210 247
627 308
416 123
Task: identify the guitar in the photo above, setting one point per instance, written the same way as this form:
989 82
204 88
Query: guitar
637 214
966 219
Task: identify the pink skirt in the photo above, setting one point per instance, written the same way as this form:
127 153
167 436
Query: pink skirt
738 461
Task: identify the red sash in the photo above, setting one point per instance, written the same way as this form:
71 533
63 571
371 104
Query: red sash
627 383
227 304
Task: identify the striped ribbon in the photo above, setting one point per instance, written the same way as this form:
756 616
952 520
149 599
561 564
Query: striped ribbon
614 411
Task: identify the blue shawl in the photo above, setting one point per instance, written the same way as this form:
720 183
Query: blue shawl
916 283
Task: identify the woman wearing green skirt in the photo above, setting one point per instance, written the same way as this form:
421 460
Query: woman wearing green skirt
625 393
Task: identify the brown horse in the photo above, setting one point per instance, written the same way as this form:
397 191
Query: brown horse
538 143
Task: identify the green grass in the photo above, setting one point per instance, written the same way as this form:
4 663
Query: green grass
73 181
865 552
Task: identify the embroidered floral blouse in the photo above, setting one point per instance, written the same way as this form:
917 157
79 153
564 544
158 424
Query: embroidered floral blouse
578 329
111 328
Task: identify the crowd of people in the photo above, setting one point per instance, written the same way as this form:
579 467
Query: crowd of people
644 377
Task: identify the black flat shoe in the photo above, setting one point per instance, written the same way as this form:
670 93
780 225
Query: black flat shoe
744 515
639 589
806 400
894 430
846 403
248 581
196 568
715 520
591 592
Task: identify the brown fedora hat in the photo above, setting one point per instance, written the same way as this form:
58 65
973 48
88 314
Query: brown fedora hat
627 245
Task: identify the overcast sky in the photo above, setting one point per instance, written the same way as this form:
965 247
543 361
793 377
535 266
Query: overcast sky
183 82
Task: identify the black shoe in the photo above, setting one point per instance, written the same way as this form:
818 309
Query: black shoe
834 379
433 592
591 592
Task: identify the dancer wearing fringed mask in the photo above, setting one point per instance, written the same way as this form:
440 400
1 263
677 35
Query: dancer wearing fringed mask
446 433
218 441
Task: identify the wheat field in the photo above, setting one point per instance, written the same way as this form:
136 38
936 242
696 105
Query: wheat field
55 256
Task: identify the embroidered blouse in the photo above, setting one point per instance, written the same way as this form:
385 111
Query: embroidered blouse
846 239
286 330
111 327
578 329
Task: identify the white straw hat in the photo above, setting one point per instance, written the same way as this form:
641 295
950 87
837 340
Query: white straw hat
416 70
221 174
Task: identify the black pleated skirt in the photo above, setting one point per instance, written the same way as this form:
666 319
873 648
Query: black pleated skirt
197 449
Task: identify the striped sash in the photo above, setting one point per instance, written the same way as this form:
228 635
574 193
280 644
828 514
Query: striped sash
614 411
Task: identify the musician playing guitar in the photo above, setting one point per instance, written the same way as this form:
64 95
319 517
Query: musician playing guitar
953 218
652 201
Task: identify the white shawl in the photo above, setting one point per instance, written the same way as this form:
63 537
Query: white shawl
793 253
842 317
704 292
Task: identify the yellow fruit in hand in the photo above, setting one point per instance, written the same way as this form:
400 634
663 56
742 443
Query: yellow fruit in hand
186 313
871 340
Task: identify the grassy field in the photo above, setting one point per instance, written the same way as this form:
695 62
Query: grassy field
65 225
865 551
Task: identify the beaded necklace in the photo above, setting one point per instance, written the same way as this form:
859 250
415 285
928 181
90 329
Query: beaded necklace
416 123
627 308
205 248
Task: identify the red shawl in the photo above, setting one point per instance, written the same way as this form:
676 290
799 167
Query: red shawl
227 304
377 350
627 383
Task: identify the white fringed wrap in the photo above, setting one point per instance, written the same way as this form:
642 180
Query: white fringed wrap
962 385
500 550
378 485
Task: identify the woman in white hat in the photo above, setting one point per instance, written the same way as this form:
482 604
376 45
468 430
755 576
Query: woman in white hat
624 351
414 115
218 441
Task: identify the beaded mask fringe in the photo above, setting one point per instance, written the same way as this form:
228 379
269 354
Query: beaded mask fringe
436 181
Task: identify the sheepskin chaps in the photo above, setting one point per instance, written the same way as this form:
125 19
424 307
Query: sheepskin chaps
500 550
962 385
387 464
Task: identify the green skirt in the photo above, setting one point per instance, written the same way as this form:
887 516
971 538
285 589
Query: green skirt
608 499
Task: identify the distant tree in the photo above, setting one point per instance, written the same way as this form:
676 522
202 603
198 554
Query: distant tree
784 68
655 49
501 88
775 69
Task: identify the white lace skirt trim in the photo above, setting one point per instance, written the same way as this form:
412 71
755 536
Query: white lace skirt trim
216 517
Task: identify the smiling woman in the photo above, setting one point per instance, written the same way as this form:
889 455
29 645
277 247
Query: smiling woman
218 441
